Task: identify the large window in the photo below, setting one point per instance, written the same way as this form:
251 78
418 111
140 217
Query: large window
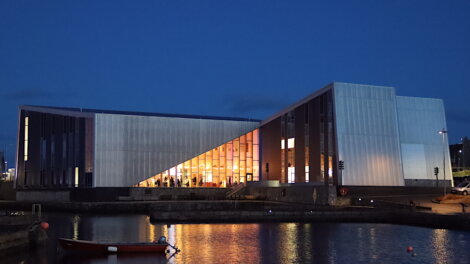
290 150
234 162
26 131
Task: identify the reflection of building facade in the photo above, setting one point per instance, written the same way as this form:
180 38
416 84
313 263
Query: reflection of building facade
382 140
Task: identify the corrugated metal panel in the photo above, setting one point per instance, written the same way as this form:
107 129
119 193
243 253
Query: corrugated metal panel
129 149
367 134
414 161
419 121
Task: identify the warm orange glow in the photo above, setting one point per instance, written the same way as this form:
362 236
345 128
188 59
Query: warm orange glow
223 166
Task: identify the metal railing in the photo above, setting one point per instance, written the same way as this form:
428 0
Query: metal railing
236 190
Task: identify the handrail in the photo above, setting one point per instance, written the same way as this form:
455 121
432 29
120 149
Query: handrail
236 189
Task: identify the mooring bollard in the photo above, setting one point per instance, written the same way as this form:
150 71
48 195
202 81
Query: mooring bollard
463 207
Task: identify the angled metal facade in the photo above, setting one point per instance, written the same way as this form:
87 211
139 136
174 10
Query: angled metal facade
419 121
130 149
367 135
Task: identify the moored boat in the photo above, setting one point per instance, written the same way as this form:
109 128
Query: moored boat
114 247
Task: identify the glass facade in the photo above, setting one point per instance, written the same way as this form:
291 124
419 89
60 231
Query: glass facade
234 162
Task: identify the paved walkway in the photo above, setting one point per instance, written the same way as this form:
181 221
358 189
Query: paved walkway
425 200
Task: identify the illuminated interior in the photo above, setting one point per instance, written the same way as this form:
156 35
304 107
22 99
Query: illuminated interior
26 131
234 162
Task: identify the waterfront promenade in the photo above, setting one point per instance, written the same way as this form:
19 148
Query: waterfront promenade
424 200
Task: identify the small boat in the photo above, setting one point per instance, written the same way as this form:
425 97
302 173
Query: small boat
117 247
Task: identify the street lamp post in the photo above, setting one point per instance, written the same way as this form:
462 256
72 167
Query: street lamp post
443 132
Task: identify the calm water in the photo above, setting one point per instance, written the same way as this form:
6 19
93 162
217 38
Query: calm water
255 243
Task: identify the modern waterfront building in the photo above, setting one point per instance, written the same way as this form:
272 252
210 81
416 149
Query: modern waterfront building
376 137
343 134
65 147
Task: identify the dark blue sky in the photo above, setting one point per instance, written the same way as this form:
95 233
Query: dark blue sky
227 58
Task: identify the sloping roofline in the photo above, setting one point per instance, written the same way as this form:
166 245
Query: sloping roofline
310 97
86 112
298 103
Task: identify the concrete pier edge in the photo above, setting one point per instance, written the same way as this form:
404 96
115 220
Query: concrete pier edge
252 212
401 217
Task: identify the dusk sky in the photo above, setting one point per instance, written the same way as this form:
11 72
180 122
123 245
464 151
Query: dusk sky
227 58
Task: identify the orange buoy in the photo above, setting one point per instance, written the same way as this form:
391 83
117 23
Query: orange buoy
44 225
409 249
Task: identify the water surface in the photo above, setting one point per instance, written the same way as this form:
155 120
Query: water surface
254 243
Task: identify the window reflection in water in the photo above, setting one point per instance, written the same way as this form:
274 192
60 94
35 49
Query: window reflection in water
372 242
289 243
214 242
151 231
439 242
75 225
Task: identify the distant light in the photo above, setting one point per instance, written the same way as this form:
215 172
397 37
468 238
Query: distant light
371 201
442 131
460 151
360 199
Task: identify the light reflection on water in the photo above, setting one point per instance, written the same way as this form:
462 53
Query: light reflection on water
439 241
289 244
373 244
255 243
75 222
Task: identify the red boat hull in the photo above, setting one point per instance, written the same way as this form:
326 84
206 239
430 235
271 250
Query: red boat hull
103 247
